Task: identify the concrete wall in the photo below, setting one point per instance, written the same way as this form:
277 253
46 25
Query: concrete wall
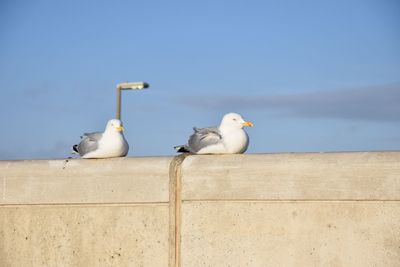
303 209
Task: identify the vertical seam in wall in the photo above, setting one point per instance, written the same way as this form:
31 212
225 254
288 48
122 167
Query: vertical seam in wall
4 188
175 215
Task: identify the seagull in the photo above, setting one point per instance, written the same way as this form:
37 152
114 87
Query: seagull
109 144
228 138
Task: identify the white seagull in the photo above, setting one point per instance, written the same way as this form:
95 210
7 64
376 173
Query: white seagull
228 138
109 144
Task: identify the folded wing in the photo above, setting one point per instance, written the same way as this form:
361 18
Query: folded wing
203 137
89 143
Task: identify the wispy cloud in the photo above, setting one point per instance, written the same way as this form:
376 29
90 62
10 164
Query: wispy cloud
369 103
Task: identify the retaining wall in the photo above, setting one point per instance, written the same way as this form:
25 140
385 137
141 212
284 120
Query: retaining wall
300 209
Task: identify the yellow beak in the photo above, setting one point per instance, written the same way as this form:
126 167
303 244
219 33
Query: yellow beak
120 128
247 123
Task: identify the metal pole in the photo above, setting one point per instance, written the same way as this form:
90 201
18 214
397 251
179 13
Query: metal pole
118 103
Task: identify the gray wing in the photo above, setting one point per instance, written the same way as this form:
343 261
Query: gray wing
95 135
89 143
203 137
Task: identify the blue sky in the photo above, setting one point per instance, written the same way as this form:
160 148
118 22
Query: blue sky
311 75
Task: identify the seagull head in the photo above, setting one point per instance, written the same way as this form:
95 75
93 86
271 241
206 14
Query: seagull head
114 125
234 120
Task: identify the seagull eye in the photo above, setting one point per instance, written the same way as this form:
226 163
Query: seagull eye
235 119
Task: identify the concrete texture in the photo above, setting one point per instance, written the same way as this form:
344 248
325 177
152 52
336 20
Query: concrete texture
296 176
120 180
307 233
84 235
303 209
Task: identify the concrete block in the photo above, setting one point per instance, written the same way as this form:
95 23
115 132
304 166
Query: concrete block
296 176
280 233
84 235
120 180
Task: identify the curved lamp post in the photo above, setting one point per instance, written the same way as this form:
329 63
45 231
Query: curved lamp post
127 86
